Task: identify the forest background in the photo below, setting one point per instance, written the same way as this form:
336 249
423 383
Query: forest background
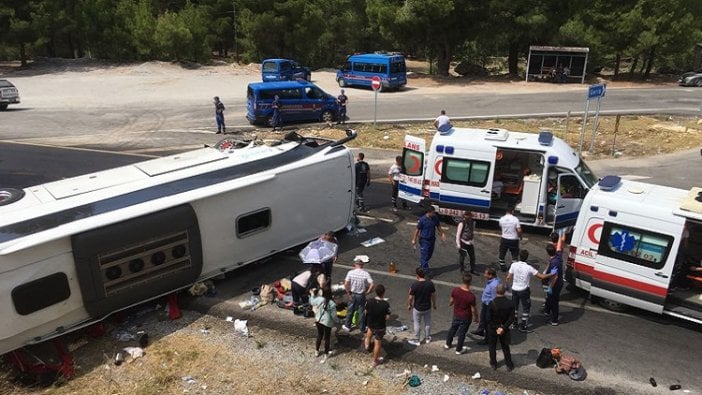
632 38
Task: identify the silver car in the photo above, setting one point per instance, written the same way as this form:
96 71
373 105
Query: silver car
8 94
692 78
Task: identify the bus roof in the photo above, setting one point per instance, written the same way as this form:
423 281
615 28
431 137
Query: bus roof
374 57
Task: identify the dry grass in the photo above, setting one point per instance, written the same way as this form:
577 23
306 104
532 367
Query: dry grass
636 135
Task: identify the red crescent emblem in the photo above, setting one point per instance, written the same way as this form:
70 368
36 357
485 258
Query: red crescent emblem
591 233
437 166
415 165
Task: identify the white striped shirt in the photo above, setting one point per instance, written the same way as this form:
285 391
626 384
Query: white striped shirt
359 280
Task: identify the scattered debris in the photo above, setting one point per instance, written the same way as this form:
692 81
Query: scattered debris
675 387
653 382
434 368
365 383
240 327
446 378
229 319
476 376
189 379
372 242
134 352
414 381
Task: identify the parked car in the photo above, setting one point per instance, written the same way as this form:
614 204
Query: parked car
283 70
8 94
691 78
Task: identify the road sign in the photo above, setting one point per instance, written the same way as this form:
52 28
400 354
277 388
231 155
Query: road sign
375 83
596 91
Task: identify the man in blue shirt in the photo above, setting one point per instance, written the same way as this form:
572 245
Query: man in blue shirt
426 234
489 293
555 284
219 115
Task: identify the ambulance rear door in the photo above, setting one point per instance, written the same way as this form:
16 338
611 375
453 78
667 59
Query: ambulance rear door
466 177
634 264
412 176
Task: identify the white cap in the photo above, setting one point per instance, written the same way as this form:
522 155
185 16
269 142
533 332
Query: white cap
361 258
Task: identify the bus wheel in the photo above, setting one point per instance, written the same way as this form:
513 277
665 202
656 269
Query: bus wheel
612 305
342 82
10 195
327 116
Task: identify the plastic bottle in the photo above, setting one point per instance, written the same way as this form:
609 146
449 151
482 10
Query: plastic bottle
392 267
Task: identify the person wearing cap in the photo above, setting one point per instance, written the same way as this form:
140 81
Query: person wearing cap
425 233
358 284
342 99
219 115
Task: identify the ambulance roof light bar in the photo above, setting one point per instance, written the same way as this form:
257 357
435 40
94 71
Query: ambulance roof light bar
609 183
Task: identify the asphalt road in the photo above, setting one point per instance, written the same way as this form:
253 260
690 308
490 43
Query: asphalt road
620 350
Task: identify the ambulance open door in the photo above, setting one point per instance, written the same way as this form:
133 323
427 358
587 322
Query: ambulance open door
570 197
412 176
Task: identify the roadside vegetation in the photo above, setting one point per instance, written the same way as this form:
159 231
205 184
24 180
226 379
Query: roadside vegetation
633 36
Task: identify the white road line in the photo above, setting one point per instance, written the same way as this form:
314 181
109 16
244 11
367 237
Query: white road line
78 148
632 177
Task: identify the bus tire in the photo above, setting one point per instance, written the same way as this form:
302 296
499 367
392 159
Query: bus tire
327 116
10 195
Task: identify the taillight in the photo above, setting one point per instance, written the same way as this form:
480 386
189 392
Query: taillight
571 255
425 188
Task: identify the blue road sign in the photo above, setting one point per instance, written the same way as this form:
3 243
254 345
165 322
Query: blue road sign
595 91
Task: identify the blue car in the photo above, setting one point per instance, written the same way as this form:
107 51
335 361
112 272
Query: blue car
283 70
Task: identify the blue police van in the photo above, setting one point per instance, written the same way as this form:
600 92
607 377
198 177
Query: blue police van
360 69
299 101
283 70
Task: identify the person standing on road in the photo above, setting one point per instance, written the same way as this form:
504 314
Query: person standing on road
378 312
511 233
342 99
443 123
394 177
553 292
463 302
325 319
277 120
425 232
422 297
501 317
520 274
491 283
358 284
362 180
464 242
219 115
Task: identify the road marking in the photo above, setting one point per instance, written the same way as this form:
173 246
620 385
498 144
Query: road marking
78 148
376 218
632 177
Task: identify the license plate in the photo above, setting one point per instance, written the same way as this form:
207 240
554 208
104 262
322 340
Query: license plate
453 212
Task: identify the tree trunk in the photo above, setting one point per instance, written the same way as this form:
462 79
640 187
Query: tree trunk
23 54
513 59
633 66
443 61
617 64
649 63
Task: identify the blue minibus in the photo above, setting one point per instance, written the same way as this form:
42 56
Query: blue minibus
283 70
359 69
299 101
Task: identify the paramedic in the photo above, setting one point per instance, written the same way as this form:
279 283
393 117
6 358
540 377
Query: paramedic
511 233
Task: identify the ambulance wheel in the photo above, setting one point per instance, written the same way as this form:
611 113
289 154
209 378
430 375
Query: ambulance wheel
342 82
612 305
327 116
10 195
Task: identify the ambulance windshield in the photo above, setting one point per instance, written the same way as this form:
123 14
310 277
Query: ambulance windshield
586 174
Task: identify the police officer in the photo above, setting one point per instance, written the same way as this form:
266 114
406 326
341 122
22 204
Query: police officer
219 115
277 121
362 180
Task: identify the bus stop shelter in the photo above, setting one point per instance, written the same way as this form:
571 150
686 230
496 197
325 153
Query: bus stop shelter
547 63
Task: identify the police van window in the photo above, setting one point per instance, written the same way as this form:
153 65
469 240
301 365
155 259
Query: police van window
380 68
285 66
397 67
347 66
293 93
412 162
313 93
359 67
270 66
634 245
465 172
252 223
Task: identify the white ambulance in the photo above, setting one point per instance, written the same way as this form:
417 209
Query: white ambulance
487 170
638 244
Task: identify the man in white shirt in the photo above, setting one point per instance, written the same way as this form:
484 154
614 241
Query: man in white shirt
394 177
358 284
442 122
511 233
520 274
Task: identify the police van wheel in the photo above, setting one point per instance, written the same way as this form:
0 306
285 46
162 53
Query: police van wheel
612 305
341 82
3 107
327 116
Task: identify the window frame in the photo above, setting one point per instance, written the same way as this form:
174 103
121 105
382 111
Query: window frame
471 162
606 251
403 168
250 232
